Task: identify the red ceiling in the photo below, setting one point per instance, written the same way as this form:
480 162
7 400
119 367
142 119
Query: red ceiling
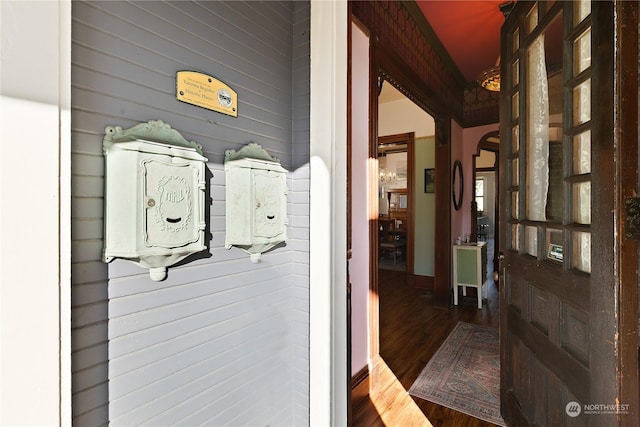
469 30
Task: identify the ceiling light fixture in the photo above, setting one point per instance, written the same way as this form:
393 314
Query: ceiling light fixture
387 177
490 78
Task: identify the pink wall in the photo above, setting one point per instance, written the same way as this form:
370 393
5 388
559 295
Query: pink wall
464 144
359 265
458 153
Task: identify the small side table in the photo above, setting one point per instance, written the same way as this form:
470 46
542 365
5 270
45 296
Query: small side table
470 269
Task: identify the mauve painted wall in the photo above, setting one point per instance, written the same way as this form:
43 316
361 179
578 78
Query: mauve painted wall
360 204
458 225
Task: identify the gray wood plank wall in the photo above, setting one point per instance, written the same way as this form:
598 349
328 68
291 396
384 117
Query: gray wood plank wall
222 340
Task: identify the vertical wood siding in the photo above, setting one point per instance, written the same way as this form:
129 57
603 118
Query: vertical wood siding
222 340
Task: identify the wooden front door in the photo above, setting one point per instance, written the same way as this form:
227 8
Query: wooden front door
561 236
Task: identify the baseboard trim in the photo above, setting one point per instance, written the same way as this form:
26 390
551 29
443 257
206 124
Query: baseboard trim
422 282
360 376
360 386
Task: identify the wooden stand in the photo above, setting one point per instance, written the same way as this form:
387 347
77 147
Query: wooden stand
470 269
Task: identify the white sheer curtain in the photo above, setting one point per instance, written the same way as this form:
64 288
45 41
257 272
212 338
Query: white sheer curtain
537 132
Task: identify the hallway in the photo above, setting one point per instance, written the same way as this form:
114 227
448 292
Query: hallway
411 331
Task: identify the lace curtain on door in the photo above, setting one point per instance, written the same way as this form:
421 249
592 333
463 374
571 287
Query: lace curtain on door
537 132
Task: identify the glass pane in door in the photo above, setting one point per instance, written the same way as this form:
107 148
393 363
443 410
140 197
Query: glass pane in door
532 18
515 140
582 8
582 52
582 153
582 203
555 196
582 251
531 240
582 103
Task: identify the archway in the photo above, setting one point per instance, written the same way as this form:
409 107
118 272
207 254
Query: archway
490 142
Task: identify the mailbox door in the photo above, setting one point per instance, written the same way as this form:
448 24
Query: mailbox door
270 203
171 202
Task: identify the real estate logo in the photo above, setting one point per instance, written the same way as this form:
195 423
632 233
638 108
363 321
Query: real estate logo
573 409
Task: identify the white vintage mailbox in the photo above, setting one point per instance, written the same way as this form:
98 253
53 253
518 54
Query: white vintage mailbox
154 196
256 200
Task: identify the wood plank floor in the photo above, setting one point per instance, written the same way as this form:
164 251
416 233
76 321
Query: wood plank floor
411 330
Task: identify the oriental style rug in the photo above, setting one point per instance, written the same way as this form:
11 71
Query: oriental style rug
464 374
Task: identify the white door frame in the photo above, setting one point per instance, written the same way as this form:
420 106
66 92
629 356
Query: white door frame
328 214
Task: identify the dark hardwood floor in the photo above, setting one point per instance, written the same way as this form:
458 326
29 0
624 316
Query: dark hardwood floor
412 328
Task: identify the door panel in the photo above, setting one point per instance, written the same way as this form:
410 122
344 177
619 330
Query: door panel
558 322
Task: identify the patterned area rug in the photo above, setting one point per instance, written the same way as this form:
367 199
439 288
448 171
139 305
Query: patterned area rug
464 374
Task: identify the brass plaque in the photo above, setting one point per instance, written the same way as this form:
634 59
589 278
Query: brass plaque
206 92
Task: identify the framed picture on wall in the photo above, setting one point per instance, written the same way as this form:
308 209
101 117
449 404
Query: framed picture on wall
430 180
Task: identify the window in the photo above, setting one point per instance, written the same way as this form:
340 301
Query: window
480 194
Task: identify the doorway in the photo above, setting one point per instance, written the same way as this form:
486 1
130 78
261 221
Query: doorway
372 65
406 197
395 201
414 153
485 212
